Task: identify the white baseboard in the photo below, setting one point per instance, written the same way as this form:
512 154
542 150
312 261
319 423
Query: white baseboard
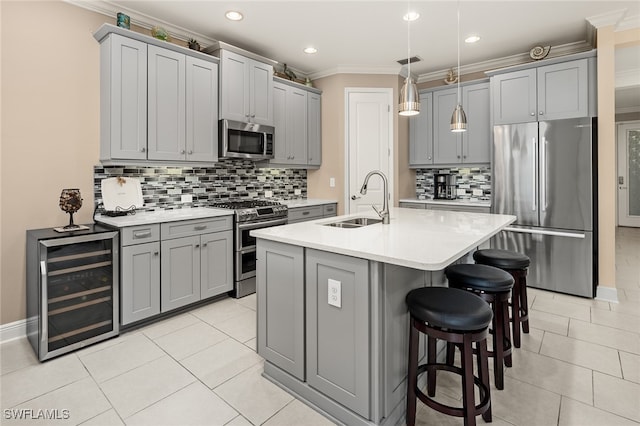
13 330
607 294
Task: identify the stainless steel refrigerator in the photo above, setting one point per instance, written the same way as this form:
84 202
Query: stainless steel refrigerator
543 173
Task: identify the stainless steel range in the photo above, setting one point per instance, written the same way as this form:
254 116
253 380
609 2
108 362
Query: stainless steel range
249 215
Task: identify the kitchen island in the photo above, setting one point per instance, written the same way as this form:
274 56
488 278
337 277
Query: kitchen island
332 321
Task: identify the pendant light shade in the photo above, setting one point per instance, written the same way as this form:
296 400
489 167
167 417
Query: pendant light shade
459 120
409 103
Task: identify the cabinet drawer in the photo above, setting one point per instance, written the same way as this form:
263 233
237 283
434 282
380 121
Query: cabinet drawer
412 205
186 228
329 210
140 234
301 214
469 209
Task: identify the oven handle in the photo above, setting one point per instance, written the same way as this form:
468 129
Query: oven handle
265 224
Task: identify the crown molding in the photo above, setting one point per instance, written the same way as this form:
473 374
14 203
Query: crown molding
607 19
507 61
629 23
140 19
356 69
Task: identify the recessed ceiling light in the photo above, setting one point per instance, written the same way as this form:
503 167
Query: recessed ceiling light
233 15
411 16
310 50
472 39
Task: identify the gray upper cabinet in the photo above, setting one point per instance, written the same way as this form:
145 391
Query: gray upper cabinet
157 103
297 139
123 98
314 129
476 141
421 133
550 92
246 89
446 144
166 119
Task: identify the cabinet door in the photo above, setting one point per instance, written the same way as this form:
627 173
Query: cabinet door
234 86
123 98
297 125
477 139
514 97
446 144
563 90
202 110
180 272
314 129
140 287
338 337
261 93
421 133
280 149
166 118
216 262
280 268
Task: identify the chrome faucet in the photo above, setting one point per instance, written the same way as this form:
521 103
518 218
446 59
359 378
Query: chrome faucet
384 213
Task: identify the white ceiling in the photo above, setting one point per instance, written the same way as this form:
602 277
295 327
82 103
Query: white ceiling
370 36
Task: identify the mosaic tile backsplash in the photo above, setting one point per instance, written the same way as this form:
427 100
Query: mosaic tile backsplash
473 183
163 186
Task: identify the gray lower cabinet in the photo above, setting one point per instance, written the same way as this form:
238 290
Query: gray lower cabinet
408 205
303 214
140 273
337 337
180 272
471 209
281 314
216 263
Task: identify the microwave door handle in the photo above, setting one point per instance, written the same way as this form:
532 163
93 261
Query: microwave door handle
264 143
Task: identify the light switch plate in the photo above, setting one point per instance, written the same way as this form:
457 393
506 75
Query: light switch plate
334 297
332 182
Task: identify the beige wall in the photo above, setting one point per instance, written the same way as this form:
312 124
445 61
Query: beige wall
333 141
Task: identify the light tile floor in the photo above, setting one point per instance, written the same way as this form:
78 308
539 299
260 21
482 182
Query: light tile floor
580 365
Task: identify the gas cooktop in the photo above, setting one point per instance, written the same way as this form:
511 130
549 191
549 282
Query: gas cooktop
253 210
243 204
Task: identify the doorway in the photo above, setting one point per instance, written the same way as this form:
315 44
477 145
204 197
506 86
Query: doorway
369 143
629 174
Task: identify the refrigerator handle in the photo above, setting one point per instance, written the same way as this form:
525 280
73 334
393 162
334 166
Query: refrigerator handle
543 232
543 174
535 174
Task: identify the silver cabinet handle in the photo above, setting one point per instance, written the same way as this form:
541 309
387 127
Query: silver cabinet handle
204 245
541 113
155 253
305 213
246 115
533 114
182 151
143 149
428 158
200 227
145 234
190 152
253 115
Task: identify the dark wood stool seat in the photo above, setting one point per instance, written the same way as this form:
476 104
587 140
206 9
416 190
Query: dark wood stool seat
517 264
458 317
494 286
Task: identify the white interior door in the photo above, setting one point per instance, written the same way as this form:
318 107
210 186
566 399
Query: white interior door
629 174
369 126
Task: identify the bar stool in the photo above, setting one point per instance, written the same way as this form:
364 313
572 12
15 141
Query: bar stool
517 265
494 286
458 317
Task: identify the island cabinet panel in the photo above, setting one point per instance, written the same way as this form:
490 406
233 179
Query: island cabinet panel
338 338
280 291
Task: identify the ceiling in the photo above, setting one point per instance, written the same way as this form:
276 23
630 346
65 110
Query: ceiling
370 36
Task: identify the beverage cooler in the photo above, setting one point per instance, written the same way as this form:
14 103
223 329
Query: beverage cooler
72 289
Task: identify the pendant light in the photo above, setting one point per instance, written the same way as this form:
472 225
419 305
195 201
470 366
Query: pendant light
409 102
459 118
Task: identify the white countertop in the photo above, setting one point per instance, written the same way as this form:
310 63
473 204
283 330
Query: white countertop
145 218
457 202
309 202
421 239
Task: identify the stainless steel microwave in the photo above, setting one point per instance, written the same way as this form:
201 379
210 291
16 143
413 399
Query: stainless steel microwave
245 140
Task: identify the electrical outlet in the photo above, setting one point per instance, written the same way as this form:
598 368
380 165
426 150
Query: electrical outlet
268 194
332 182
186 198
334 296
297 191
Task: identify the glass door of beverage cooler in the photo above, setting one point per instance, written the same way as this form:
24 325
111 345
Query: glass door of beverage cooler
79 292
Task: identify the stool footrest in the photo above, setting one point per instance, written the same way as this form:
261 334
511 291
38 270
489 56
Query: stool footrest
481 408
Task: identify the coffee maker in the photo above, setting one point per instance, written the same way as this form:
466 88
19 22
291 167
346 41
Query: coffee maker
444 186
440 186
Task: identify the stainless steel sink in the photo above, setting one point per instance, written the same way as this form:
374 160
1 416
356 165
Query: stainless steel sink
356 222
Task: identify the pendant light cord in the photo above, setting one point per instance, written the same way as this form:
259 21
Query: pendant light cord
408 41
458 43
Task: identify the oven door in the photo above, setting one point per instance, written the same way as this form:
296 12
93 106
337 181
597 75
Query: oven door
244 241
245 264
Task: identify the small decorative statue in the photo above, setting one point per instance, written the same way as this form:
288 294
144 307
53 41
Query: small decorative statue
451 77
193 44
290 74
539 52
70 202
